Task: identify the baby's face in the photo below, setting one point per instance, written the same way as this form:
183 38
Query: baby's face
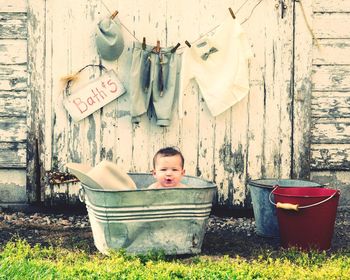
168 170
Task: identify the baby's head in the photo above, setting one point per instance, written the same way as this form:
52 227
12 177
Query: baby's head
168 167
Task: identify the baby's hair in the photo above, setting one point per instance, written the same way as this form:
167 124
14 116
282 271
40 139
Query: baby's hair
168 152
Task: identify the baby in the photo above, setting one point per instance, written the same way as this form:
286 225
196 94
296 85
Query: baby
168 168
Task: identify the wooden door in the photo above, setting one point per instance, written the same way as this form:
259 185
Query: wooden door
256 138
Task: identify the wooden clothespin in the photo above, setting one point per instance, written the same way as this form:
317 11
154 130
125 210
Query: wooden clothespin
175 48
231 12
114 14
157 47
144 43
188 43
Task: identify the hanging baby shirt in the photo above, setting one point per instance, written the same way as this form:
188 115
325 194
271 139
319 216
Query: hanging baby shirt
219 64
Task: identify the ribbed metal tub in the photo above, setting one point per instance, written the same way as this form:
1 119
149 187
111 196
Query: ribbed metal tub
170 220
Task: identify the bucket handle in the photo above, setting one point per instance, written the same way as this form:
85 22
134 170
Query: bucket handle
296 207
81 195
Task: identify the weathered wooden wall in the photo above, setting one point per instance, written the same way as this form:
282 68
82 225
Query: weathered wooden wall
13 101
251 140
330 148
287 121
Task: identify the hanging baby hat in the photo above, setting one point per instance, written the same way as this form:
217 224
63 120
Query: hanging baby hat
109 38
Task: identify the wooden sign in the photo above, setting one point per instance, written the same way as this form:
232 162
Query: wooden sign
93 96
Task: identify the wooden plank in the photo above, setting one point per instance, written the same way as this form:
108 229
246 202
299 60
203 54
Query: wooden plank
13 103
13 25
147 136
84 137
338 180
302 91
330 157
13 129
331 78
13 77
119 147
330 105
223 158
38 149
11 6
13 186
272 117
175 33
13 51
256 31
277 127
331 25
238 128
59 64
189 132
255 158
92 142
332 51
330 130
109 114
230 133
221 139
239 123
13 155
209 16
156 22
328 6
283 67
187 14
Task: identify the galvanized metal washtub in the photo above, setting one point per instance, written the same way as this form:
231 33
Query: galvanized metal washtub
171 220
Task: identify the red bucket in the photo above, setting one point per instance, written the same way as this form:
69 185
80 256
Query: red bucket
306 216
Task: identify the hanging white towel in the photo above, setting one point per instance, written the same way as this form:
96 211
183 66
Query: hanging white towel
219 64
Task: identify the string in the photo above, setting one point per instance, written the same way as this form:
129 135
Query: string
251 12
103 3
308 25
69 79
205 34
241 6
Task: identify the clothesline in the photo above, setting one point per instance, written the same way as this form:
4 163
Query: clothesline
211 30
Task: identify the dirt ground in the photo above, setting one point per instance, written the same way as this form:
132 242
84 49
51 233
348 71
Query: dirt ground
218 241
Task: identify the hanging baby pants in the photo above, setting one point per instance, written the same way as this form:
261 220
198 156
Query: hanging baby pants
153 79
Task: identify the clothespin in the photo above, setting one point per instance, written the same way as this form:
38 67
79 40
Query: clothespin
175 48
157 48
114 14
144 43
188 43
231 12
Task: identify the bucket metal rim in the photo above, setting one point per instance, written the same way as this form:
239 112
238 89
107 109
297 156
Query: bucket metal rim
211 186
255 183
296 207
333 192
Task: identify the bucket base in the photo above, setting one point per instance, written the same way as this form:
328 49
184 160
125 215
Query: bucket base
263 234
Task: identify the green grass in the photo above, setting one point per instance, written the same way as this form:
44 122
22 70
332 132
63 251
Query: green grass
18 260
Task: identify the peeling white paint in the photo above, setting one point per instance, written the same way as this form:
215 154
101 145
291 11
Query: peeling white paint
259 128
